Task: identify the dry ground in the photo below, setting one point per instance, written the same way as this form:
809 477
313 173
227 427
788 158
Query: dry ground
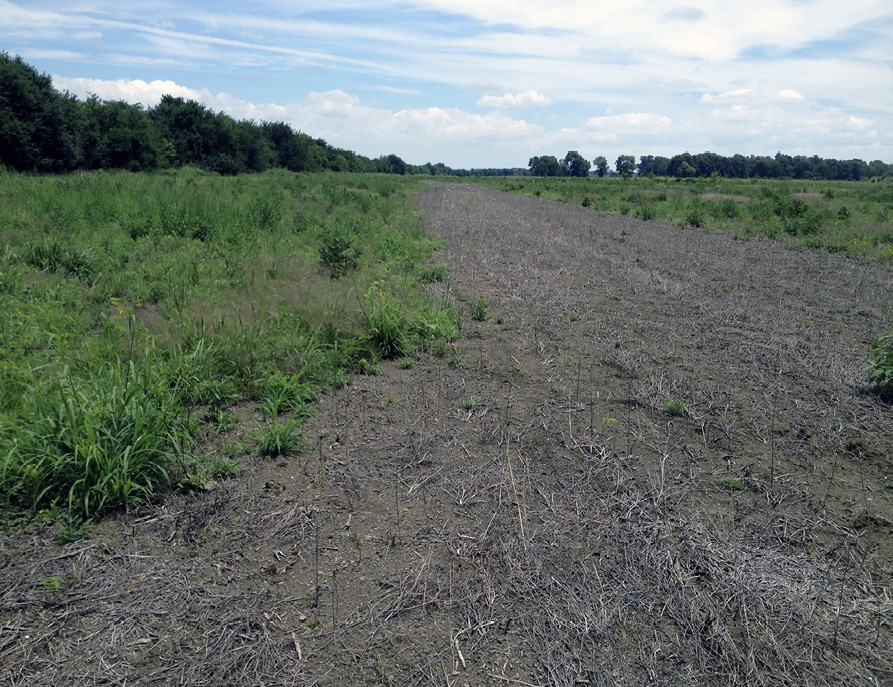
565 528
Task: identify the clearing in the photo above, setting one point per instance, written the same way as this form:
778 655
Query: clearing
649 460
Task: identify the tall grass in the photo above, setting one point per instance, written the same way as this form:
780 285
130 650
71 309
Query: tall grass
130 301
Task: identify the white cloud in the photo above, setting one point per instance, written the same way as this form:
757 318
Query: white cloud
790 94
525 99
644 121
130 90
684 14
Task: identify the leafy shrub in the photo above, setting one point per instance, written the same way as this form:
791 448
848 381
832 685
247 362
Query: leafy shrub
336 250
879 365
646 212
478 309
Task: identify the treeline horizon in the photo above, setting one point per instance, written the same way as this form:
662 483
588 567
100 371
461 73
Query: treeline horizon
44 130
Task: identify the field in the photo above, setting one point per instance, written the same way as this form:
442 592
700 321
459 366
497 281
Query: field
836 216
595 449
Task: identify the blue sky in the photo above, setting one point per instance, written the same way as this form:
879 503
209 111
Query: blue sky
490 83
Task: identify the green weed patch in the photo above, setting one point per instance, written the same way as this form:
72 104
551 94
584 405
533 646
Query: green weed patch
139 308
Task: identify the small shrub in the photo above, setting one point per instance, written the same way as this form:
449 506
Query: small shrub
695 215
732 483
337 252
478 309
646 212
879 365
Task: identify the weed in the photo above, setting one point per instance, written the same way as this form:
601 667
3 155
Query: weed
470 404
441 348
406 363
879 365
674 407
732 483
387 325
53 584
478 309
369 368
435 273
279 438
224 421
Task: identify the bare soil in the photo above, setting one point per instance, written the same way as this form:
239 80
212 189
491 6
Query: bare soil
566 527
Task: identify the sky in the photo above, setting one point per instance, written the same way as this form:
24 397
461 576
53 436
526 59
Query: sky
491 83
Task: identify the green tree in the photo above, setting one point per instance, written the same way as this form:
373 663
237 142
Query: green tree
118 135
626 164
36 121
601 165
575 164
544 166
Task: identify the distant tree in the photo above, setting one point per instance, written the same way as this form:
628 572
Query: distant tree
545 166
575 164
676 162
685 170
601 165
626 164
653 164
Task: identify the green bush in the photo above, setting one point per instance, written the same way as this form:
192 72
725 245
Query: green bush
879 365
336 250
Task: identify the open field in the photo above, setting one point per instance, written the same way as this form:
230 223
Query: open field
650 459
837 216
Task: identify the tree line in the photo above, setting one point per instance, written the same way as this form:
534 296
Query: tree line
44 130
707 164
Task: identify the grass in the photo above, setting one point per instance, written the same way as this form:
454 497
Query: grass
674 407
849 217
139 308
478 309
470 403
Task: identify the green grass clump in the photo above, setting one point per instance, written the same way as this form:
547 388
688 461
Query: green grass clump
87 444
674 407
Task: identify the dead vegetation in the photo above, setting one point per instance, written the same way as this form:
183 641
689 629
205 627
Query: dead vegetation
564 529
